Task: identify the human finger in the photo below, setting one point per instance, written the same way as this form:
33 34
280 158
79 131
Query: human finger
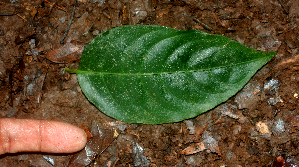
25 135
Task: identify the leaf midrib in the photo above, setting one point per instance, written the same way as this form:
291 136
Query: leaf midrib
161 73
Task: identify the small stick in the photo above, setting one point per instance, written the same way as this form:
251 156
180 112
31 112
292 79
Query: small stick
203 25
55 5
68 27
106 15
23 17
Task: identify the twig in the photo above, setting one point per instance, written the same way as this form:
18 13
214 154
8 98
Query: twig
203 25
55 5
23 17
68 27
106 15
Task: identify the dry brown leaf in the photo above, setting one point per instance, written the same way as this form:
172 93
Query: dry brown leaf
197 147
294 60
65 54
102 138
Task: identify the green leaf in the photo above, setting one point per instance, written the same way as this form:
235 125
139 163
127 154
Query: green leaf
152 74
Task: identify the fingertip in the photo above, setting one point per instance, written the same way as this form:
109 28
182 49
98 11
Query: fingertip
81 139
77 139
62 137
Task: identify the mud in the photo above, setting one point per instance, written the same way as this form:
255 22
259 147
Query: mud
252 128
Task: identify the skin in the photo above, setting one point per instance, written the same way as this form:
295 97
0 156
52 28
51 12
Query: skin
25 135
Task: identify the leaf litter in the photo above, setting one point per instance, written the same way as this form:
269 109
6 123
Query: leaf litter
243 18
101 139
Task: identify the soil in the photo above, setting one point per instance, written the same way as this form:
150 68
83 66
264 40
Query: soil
256 127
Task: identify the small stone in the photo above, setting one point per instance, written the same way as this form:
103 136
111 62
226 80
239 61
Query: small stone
236 129
95 32
274 100
279 126
262 127
272 85
190 126
50 160
138 155
193 160
210 143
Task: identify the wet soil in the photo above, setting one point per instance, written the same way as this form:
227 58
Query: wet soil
252 128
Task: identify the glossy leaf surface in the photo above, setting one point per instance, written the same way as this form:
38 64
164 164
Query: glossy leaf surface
154 74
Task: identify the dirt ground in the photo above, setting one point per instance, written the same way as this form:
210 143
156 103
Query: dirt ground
252 128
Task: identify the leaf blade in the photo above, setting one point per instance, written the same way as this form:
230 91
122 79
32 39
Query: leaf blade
161 75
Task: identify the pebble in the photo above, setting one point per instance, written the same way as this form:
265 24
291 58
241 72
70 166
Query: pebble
279 126
139 158
49 160
193 160
95 32
271 85
262 127
190 126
